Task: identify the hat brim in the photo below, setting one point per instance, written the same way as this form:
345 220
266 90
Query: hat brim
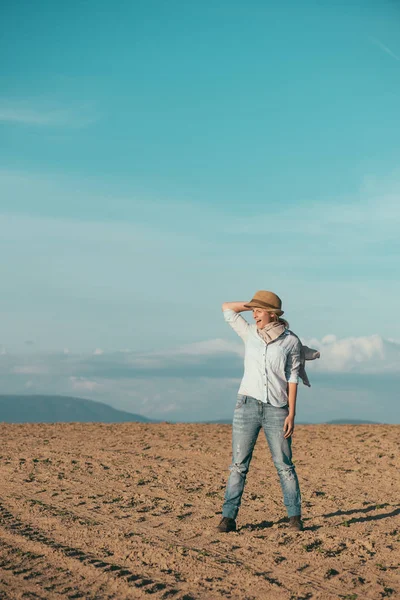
264 306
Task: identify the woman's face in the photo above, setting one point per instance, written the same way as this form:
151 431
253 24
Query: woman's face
262 317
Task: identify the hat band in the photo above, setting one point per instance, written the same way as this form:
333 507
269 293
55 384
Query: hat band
264 304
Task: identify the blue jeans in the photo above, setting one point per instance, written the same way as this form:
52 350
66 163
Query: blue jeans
249 416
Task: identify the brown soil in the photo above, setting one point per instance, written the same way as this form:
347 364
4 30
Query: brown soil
130 510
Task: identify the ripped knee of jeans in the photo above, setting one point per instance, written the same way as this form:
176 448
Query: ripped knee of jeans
287 472
238 467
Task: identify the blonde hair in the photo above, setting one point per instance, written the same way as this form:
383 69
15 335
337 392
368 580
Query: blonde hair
284 322
280 320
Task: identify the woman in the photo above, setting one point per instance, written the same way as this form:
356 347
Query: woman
266 399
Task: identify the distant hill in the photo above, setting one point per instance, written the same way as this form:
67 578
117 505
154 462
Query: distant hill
66 409
60 409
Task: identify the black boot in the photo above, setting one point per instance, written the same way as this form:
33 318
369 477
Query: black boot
296 523
227 525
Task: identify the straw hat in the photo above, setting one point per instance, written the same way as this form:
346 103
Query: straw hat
268 301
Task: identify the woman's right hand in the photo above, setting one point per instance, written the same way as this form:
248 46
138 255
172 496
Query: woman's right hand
237 307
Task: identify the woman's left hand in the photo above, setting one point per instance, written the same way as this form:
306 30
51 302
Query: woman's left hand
288 427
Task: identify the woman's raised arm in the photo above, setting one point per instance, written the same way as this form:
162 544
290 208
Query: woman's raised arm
237 307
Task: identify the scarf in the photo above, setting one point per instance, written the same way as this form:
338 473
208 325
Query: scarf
270 332
306 353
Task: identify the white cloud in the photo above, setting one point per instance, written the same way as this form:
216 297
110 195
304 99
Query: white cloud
365 354
384 48
209 347
84 385
329 339
30 369
213 359
30 117
331 227
25 115
369 354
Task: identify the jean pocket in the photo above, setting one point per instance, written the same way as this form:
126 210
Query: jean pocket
240 401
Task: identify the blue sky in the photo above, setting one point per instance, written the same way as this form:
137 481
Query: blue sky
159 158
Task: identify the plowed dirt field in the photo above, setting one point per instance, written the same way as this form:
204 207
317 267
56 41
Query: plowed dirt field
124 511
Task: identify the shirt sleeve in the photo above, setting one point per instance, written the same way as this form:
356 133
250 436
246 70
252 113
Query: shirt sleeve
238 323
293 363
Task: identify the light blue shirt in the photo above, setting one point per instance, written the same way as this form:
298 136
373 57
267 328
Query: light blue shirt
268 368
